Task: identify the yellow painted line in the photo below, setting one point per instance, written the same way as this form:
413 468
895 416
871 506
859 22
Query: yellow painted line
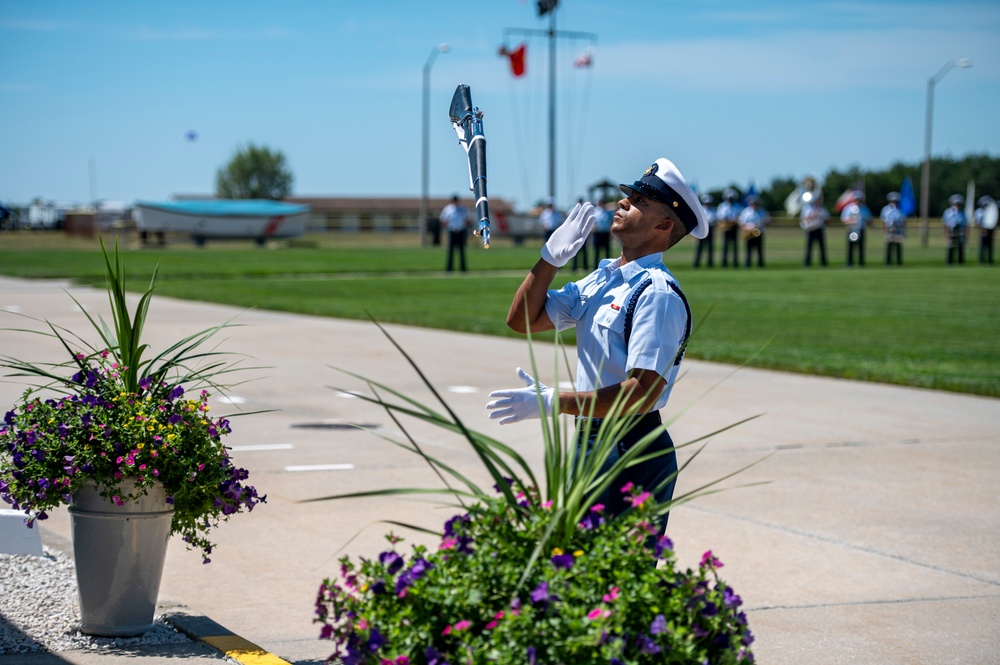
243 651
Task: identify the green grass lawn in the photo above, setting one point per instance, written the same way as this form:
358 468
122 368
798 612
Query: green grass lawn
925 324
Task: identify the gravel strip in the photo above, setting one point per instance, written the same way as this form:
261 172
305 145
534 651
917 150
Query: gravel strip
39 609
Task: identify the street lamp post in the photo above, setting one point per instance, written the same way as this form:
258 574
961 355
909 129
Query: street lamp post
925 179
440 48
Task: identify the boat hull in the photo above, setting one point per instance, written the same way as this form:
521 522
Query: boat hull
208 224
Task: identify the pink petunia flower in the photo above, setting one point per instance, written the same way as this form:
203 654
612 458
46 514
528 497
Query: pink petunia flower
639 499
611 595
708 560
627 487
598 613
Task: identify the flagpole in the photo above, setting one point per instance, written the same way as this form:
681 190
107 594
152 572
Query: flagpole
552 34
552 105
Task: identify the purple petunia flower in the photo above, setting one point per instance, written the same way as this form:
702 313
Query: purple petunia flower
540 594
659 625
375 640
647 645
391 560
532 655
564 561
433 657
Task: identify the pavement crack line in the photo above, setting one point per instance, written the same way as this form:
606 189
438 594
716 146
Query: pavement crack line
861 603
849 545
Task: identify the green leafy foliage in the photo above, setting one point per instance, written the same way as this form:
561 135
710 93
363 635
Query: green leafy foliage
601 599
254 172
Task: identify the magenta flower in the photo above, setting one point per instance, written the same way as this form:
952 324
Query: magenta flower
639 499
708 560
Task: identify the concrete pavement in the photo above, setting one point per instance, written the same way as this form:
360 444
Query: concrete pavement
876 538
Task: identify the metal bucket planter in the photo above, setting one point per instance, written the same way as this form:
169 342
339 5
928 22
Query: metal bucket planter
119 552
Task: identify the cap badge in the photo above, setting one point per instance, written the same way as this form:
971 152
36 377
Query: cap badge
651 170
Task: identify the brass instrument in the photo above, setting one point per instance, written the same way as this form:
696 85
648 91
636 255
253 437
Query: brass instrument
751 232
726 225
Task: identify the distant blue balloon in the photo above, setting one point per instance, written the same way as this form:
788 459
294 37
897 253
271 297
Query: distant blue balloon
191 136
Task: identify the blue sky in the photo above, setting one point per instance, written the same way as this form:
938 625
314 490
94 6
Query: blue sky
730 90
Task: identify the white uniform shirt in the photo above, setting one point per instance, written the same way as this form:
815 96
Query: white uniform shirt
550 219
597 306
954 218
728 211
814 216
856 215
751 217
455 217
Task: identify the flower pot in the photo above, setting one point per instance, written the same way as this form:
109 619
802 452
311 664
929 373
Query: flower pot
119 552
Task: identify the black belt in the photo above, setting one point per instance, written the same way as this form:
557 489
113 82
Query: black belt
637 424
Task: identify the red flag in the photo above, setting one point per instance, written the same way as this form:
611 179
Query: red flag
517 60
584 59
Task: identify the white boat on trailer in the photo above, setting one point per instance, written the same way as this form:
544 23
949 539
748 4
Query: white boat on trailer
257 219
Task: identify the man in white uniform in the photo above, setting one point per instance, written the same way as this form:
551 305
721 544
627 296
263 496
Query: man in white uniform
455 218
632 323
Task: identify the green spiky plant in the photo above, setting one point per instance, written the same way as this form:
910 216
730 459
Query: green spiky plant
185 361
520 538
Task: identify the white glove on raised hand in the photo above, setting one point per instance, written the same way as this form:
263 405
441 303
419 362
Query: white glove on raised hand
518 404
567 240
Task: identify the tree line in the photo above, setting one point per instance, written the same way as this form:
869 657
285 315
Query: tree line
949 176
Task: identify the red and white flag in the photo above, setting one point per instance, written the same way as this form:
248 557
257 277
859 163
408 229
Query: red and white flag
585 59
845 200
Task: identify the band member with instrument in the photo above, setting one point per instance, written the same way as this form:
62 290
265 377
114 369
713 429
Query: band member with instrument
986 220
706 244
855 217
813 222
953 222
727 217
895 228
632 324
752 220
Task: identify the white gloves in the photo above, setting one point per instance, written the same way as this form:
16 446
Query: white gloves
567 240
518 404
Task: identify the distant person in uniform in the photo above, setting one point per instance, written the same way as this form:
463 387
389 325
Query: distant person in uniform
706 244
455 218
582 255
727 217
752 221
602 230
895 229
855 217
987 226
813 222
550 218
953 222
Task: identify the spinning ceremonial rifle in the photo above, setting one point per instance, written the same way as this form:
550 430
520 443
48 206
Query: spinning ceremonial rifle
468 124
